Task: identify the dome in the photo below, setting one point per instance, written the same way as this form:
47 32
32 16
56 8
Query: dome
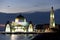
20 17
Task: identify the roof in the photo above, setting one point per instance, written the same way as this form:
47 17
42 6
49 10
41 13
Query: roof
20 16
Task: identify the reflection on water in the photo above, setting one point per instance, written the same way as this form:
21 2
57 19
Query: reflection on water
16 36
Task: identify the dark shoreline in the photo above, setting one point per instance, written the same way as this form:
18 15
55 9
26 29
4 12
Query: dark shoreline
25 32
48 36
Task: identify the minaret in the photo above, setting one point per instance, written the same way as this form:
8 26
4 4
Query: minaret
52 19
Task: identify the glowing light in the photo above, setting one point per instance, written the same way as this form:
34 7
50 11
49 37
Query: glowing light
12 23
30 29
14 37
7 28
52 16
54 24
13 31
47 30
16 20
21 23
52 21
19 29
24 20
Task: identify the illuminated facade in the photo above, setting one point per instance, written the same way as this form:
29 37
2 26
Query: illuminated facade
52 20
30 28
7 28
19 25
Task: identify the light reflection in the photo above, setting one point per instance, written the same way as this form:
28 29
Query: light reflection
21 37
14 37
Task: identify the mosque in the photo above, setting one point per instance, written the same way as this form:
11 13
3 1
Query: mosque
19 25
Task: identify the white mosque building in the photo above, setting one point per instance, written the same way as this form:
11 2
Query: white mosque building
19 25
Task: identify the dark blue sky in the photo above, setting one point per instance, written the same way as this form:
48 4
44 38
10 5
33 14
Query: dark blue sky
35 17
14 6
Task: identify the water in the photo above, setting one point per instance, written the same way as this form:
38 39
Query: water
16 36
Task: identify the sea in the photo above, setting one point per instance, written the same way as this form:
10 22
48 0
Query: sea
17 36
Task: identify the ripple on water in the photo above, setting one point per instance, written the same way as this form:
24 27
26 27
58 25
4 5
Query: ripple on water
15 37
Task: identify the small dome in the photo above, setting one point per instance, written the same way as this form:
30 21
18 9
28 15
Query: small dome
20 17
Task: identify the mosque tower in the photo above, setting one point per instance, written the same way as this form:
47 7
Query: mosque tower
52 18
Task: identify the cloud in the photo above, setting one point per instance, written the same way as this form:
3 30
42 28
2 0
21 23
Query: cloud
27 5
17 10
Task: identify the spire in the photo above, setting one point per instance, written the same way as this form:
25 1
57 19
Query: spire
52 7
20 16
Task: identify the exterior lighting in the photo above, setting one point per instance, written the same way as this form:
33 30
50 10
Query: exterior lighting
52 19
7 28
21 23
52 15
30 29
16 20
54 24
